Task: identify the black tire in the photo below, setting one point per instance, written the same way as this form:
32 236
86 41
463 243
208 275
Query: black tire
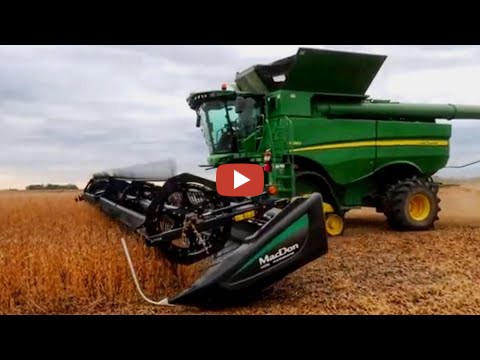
399 199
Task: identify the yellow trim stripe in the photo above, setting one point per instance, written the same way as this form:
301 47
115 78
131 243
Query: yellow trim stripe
382 143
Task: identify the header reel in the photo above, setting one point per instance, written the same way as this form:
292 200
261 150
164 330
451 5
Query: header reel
189 222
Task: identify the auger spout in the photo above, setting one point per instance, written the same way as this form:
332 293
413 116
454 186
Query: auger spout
388 110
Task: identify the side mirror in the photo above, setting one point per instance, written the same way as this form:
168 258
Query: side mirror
199 119
240 105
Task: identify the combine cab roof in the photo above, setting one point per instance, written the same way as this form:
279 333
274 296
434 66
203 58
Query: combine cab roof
314 70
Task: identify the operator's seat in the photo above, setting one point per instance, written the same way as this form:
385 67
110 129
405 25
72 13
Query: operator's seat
246 118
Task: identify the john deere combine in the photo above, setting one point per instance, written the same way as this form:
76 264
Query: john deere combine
326 148
310 114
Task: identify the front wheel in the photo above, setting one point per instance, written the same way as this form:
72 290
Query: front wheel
412 205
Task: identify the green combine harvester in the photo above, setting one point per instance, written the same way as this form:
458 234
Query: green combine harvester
326 148
311 114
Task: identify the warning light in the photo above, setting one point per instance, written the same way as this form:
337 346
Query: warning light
224 87
272 190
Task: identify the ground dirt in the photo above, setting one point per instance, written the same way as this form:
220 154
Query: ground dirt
60 257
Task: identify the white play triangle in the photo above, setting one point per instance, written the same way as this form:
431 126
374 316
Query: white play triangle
239 179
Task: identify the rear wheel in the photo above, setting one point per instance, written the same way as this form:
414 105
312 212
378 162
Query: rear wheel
412 205
335 224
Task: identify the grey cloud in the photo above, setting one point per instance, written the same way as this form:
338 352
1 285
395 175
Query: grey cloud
79 105
417 58
189 55
67 111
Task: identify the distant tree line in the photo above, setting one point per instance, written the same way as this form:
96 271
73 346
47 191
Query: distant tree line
52 187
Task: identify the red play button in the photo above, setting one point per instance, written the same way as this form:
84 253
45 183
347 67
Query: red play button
242 180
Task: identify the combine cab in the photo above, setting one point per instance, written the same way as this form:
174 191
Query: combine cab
326 148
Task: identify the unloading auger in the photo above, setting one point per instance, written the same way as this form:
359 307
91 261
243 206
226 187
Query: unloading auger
251 242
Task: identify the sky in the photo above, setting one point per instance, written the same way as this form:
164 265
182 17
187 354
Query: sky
69 111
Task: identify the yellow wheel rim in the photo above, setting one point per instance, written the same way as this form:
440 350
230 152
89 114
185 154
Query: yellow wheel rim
334 224
419 207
